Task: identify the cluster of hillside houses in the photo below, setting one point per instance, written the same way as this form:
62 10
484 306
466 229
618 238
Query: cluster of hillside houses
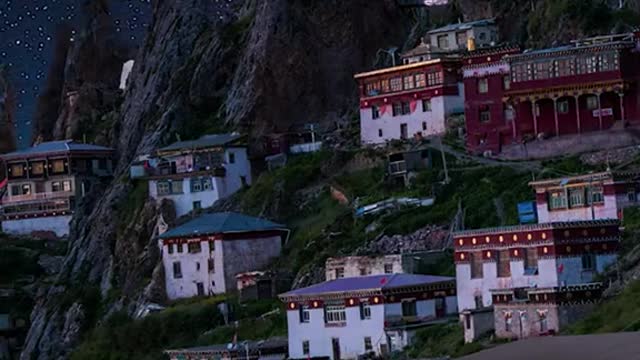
516 281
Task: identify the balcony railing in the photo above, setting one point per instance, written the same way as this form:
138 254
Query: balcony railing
16 199
34 208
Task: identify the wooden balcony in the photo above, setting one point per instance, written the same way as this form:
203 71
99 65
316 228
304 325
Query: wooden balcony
44 207
17 199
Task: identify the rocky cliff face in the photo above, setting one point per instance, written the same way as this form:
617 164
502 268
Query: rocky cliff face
7 103
242 64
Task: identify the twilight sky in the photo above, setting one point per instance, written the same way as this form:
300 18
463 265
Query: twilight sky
27 28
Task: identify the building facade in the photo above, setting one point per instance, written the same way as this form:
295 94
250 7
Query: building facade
594 196
373 315
408 101
44 184
489 120
203 256
522 259
356 266
195 174
587 86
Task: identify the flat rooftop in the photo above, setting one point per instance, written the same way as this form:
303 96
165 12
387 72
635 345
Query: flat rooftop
618 346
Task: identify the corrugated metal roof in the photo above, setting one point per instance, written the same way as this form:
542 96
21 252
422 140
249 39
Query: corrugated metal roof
56 147
463 26
203 142
219 223
373 282
269 344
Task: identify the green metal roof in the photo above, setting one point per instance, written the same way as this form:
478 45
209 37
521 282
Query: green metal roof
220 223
204 142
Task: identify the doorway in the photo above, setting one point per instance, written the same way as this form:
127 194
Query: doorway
404 132
335 342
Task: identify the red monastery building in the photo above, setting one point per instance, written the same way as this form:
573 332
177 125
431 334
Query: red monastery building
589 85
408 101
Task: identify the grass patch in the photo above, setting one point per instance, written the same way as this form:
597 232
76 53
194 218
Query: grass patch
621 313
441 340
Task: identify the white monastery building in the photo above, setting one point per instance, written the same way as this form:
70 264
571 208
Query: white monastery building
203 256
44 183
538 278
195 174
373 315
601 195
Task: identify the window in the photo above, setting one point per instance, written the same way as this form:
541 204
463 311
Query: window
197 205
597 194
212 246
632 195
426 105
304 314
194 247
196 185
482 36
476 265
197 266
37 168
576 197
334 314
396 109
506 82
564 67
368 346
485 114
179 246
563 107
170 248
339 273
372 88
384 85
424 126
443 41
558 200
478 301
388 268
363 271
57 166
200 288
421 80
507 322
544 326
461 39
58 186
163 188
23 189
365 310
40 188
379 132
406 108
177 270
586 64
588 262
531 261
409 308
504 264
176 187
409 82
211 265
467 321
543 70
608 61
434 78
375 112
305 347
232 158
396 84
483 85
592 102
17 170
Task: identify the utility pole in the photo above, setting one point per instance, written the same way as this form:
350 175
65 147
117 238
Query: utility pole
444 162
